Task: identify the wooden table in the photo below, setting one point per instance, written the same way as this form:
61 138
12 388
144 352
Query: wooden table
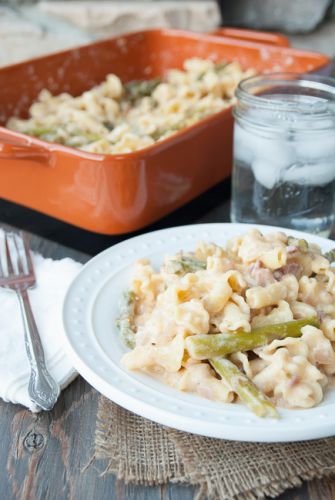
49 455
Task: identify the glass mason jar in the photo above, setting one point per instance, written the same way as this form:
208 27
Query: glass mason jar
284 152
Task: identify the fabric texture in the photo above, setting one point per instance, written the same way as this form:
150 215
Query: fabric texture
143 452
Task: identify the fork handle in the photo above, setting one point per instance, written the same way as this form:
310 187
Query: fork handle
42 388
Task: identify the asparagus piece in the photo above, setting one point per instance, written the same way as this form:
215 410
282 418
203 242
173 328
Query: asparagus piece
126 319
40 131
140 88
330 255
300 243
46 134
249 393
185 264
206 346
303 246
221 65
157 134
82 138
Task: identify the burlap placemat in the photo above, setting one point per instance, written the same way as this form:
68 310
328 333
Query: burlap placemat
143 452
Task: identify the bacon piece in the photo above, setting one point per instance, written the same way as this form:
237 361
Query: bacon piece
321 314
291 249
258 275
291 268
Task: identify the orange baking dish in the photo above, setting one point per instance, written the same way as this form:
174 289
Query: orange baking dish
120 193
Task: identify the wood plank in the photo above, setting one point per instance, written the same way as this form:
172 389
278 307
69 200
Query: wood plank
296 494
322 489
178 492
165 492
136 492
46 452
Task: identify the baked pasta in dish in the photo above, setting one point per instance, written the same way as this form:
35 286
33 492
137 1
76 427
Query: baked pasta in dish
254 321
120 118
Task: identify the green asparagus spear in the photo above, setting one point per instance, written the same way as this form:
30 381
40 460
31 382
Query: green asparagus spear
303 246
184 264
140 88
82 138
300 243
47 134
221 65
157 134
244 388
206 346
40 131
126 319
217 68
330 255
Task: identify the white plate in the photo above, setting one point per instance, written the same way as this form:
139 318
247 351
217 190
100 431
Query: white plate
94 346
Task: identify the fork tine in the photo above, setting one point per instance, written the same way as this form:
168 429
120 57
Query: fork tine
10 267
2 254
18 247
14 254
27 253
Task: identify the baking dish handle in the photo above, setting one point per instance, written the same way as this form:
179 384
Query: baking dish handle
264 37
11 150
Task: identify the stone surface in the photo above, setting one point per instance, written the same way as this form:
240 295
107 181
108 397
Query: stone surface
29 31
111 18
291 16
321 40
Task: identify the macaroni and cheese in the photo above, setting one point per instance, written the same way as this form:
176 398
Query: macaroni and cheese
265 305
120 118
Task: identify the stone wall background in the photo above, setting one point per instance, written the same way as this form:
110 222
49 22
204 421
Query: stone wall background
30 28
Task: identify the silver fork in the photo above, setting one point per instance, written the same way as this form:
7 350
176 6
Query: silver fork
17 273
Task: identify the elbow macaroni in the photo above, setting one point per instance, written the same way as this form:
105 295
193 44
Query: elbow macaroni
259 296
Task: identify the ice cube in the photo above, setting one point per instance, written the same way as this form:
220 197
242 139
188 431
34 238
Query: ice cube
275 150
310 174
243 144
250 144
270 158
267 174
315 148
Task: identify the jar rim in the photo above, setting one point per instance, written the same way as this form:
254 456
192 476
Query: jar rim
295 84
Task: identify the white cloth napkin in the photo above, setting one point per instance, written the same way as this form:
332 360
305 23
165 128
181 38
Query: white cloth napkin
53 279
